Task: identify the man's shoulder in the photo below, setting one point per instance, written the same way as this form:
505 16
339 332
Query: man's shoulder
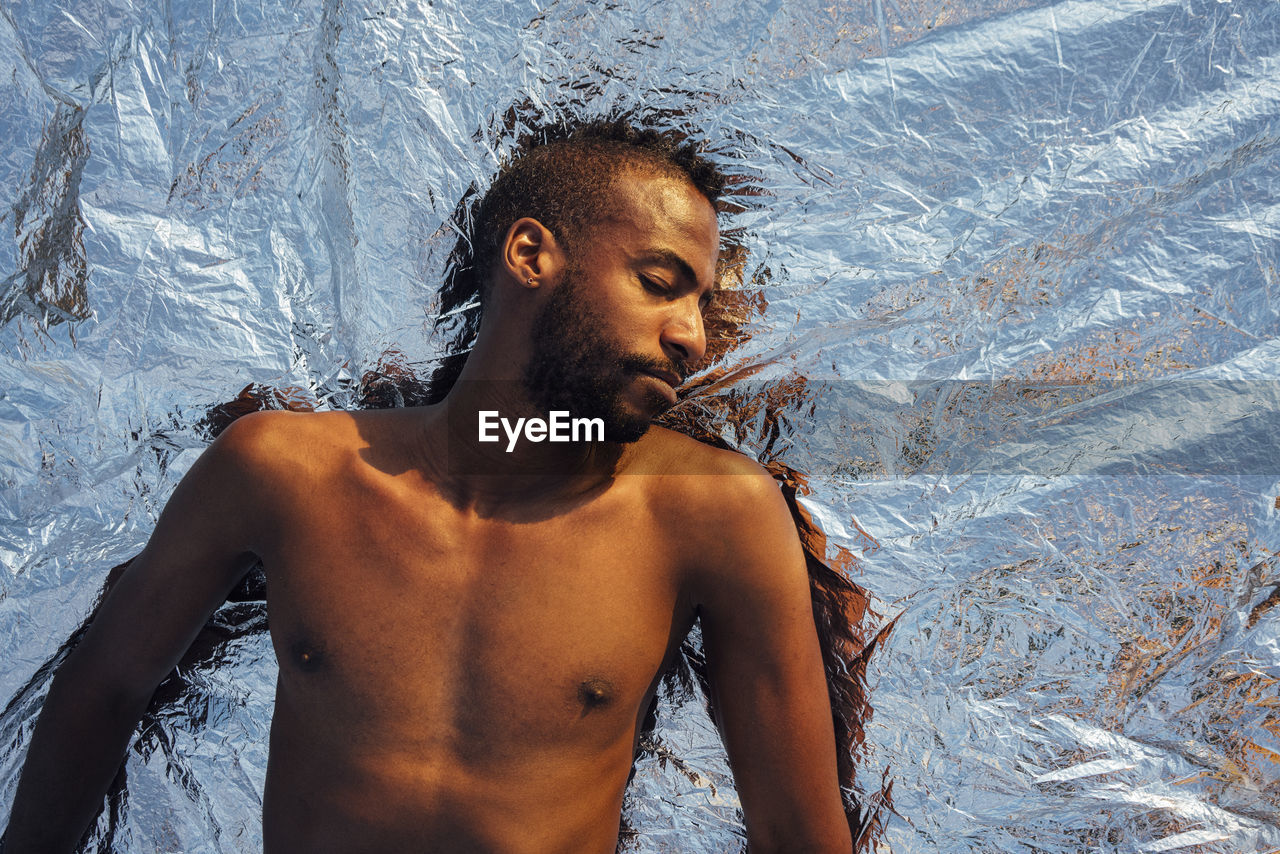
294 444
279 433
719 486
670 452
275 465
735 528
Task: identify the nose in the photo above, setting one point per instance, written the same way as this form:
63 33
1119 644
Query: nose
684 337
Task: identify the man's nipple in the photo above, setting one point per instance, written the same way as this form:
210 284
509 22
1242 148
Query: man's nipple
307 656
595 693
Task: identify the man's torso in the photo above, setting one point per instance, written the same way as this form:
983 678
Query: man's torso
451 680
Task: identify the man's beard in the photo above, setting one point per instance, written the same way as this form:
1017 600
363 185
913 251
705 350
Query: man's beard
574 368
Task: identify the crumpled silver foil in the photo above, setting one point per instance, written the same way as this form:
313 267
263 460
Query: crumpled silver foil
1011 302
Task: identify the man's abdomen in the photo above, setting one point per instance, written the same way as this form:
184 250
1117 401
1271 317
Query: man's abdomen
359 795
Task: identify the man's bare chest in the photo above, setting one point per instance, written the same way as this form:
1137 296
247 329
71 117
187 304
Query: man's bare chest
485 636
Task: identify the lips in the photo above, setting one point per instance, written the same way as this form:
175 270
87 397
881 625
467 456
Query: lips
669 381
670 378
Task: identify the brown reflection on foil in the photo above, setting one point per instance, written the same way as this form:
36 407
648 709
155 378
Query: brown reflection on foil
1222 717
1150 602
1010 288
1148 348
392 383
1114 355
1228 748
842 33
1264 606
253 398
1178 623
234 168
735 307
1189 621
49 285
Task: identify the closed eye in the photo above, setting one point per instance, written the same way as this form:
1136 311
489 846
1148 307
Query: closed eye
655 286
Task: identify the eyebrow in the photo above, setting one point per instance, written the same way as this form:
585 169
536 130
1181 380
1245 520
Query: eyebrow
681 266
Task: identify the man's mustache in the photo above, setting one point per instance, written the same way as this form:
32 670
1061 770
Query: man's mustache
648 365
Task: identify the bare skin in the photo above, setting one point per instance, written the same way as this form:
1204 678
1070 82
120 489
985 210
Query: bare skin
466 657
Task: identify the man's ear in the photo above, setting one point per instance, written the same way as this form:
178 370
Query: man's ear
530 254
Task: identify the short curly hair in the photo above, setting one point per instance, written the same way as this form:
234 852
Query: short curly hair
563 176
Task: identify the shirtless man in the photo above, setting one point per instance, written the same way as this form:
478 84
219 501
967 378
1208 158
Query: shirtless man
469 636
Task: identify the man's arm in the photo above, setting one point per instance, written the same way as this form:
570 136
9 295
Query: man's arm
766 673
196 555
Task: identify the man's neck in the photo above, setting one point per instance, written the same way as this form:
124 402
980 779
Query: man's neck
483 454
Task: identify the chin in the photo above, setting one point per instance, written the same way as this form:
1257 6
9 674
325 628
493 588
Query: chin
626 433
627 423
624 424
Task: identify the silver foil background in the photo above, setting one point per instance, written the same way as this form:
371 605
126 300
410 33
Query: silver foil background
1022 255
